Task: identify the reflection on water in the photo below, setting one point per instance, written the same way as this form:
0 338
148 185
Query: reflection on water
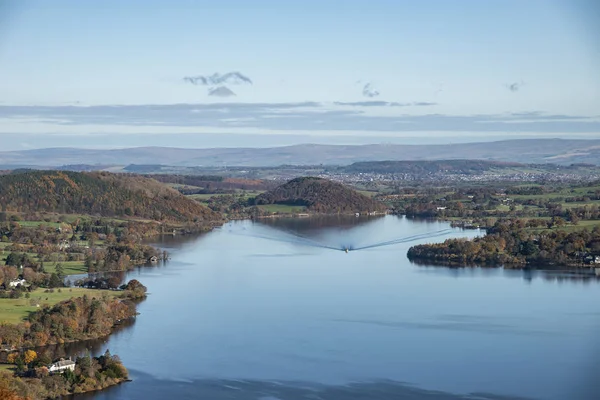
337 232
94 347
277 390
318 224
584 275
242 317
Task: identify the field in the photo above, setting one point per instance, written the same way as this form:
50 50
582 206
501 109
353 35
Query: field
203 196
16 310
35 224
282 208
69 267
241 194
368 193
570 228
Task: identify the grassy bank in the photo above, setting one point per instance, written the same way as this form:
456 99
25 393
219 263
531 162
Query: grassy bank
282 208
13 311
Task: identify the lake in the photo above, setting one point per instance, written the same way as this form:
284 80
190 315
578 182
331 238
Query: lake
275 310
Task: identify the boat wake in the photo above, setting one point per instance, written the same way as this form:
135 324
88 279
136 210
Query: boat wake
297 239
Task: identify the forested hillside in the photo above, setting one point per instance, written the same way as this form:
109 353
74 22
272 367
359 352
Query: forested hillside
509 243
320 195
98 193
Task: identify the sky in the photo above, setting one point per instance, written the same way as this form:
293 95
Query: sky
260 73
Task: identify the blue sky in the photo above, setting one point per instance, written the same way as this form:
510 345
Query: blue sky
433 68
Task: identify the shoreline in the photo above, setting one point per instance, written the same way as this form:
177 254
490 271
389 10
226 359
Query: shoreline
525 266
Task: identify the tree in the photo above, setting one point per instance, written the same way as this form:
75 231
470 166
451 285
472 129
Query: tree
113 282
14 259
93 237
60 271
9 273
574 218
20 363
89 263
6 392
558 221
12 358
55 281
134 284
29 356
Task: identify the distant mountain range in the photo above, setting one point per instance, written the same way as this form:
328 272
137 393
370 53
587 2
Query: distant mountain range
556 151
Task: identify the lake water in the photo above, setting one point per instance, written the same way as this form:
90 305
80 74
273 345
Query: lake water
272 311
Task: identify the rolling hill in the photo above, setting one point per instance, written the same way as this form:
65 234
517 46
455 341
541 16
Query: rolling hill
557 151
98 193
428 167
320 196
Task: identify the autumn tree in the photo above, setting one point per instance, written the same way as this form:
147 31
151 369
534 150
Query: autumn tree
29 356
12 358
93 238
6 391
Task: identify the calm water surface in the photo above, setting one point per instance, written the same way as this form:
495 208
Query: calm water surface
253 311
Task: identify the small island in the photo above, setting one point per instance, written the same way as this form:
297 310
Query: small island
320 196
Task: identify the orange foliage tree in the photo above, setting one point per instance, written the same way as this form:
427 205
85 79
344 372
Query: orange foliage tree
29 356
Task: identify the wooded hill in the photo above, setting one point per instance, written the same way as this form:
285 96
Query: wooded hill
321 196
98 193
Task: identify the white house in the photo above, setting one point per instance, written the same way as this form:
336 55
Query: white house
62 365
16 282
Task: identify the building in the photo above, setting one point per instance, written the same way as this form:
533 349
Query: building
62 365
590 259
17 282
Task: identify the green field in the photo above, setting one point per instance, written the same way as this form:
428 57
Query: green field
16 310
504 207
368 193
203 196
180 185
69 267
572 228
282 208
7 368
242 194
35 224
